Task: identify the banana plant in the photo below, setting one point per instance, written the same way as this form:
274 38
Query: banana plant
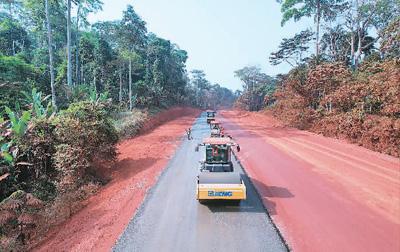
18 128
18 124
96 98
5 151
36 100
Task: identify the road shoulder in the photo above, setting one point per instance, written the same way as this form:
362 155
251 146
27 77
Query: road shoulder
140 161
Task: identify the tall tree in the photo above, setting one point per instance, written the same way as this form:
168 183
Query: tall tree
51 63
318 9
292 50
334 44
165 75
256 85
84 7
364 15
69 60
87 45
110 31
13 37
201 85
199 79
133 34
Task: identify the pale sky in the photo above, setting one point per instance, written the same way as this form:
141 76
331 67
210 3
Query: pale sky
220 36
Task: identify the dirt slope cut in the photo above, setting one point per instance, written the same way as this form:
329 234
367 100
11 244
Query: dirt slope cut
140 161
324 194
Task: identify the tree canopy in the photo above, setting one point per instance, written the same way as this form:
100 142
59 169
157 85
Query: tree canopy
121 58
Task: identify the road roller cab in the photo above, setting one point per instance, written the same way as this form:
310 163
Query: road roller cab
217 179
210 115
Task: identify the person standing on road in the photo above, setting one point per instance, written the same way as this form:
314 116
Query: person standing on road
189 133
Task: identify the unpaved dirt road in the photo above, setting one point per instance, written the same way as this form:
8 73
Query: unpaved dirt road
324 194
171 219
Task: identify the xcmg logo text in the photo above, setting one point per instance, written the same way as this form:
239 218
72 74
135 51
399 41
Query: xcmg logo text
219 194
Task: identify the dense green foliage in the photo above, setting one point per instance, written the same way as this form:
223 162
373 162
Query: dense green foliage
50 156
134 67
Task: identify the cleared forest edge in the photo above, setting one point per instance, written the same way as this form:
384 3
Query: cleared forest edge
140 161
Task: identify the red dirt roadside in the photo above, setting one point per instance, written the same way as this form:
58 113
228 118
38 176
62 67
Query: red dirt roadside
324 194
140 161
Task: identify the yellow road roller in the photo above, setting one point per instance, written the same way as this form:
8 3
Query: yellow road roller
217 179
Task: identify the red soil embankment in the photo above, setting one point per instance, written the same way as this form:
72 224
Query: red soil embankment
324 194
140 161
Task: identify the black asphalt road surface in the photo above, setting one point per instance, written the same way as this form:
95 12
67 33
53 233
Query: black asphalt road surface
171 219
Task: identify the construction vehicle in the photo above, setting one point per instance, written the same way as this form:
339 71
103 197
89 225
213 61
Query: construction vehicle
215 128
217 179
210 115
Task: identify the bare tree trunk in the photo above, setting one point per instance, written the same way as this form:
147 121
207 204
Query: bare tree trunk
120 85
51 63
94 80
352 53
77 77
352 33
10 8
102 85
359 48
318 19
333 47
130 84
69 65
82 73
357 54
13 47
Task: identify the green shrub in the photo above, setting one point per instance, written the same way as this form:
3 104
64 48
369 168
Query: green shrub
53 165
84 131
15 69
129 123
34 163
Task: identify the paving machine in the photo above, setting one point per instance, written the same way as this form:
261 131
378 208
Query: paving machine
210 115
217 179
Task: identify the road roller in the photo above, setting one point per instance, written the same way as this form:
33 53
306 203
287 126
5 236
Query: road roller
217 179
215 128
210 115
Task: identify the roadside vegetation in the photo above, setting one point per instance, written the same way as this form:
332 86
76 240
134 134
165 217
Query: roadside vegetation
69 91
345 77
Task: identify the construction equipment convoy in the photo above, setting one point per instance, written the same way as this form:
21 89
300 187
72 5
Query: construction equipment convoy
217 179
